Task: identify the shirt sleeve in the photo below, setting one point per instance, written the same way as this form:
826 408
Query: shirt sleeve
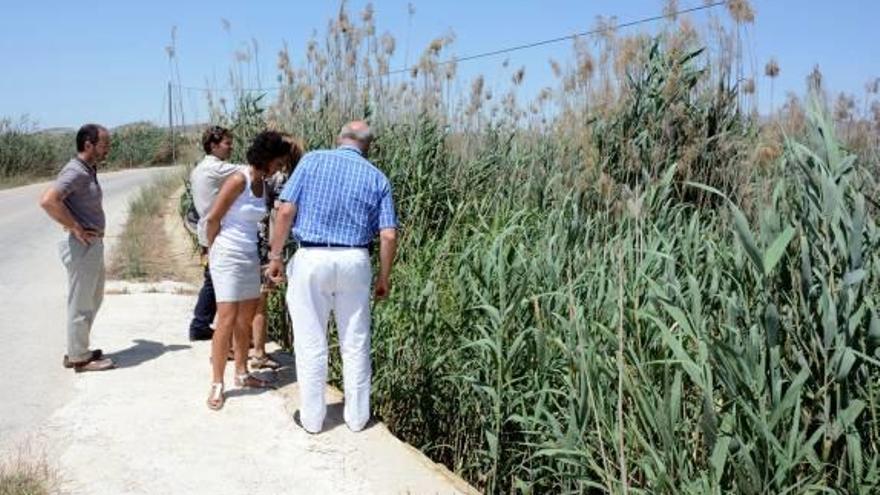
225 169
69 179
387 216
293 188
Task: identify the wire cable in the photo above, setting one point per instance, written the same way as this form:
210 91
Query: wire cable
502 51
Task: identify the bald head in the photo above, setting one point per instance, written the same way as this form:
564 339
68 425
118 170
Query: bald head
356 133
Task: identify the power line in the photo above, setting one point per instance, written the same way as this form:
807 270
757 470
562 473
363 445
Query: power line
205 88
568 37
515 48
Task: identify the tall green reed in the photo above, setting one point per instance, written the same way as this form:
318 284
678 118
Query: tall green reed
578 308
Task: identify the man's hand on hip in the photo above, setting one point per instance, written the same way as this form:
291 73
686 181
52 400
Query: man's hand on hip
85 236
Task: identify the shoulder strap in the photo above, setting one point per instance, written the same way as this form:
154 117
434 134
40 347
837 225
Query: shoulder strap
246 172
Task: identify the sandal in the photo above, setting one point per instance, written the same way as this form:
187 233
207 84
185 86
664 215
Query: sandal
263 363
247 380
217 398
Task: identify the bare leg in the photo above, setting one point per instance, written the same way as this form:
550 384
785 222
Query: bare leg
244 320
226 317
259 326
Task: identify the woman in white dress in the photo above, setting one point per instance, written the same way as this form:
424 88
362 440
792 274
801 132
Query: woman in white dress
232 226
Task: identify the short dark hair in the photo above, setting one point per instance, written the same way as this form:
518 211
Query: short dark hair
87 134
267 146
213 135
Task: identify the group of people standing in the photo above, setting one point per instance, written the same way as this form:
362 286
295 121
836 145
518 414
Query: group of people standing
334 206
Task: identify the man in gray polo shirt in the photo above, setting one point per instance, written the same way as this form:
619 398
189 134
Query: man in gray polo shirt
74 201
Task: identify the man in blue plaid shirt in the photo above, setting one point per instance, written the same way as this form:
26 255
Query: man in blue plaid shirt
337 202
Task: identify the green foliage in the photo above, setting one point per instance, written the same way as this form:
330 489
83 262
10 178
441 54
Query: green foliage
667 117
617 299
139 144
748 361
25 152
245 122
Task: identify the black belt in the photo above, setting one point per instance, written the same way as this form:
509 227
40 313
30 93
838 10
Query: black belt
305 244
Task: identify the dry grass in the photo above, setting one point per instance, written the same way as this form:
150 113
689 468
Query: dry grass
182 250
145 251
28 473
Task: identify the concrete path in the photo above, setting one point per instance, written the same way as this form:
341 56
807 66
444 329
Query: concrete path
33 294
144 428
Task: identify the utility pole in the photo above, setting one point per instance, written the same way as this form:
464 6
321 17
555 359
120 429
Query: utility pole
171 126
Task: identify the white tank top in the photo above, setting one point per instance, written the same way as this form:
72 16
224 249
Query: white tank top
239 227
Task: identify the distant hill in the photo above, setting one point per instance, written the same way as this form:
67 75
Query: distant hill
56 131
187 129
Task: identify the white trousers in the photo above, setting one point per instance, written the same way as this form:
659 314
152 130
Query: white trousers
321 280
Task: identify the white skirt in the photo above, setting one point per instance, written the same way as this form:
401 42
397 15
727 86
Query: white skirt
236 274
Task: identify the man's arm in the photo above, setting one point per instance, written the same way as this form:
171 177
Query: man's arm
387 251
280 230
53 202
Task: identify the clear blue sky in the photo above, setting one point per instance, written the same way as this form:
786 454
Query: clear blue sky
68 62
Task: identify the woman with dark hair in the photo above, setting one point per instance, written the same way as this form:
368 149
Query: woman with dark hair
231 228
274 183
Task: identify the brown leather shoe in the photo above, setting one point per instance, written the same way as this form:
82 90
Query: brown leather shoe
95 365
96 354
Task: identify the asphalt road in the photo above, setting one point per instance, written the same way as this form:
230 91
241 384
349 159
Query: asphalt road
33 293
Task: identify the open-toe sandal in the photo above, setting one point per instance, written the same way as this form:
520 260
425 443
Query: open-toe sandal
217 398
263 363
247 380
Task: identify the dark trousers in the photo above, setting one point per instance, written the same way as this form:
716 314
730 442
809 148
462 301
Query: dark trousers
206 307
